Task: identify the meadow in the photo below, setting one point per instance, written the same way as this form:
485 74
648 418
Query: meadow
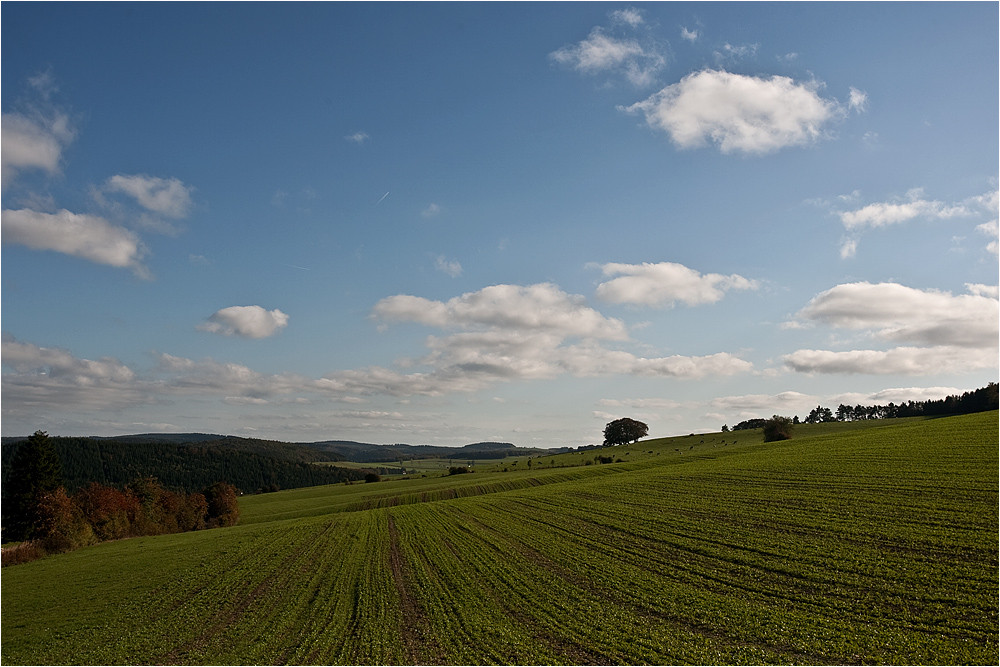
862 542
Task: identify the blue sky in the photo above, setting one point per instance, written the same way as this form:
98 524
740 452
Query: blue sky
446 223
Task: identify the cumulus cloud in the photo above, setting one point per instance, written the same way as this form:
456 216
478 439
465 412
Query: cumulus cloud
540 307
899 313
165 196
739 113
978 289
942 333
32 141
87 236
432 210
246 322
358 137
689 35
665 283
510 332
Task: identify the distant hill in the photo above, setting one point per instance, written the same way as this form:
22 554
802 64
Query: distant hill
367 453
489 446
192 461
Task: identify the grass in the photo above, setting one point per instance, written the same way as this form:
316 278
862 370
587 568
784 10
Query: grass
852 543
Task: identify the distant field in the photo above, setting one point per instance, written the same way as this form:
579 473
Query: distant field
866 542
419 466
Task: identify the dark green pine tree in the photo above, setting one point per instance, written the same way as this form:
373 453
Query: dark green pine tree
35 471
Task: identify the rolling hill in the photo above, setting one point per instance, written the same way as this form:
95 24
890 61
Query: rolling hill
859 542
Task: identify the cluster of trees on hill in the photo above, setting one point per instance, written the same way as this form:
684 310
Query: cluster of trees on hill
980 400
251 466
623 431
40 513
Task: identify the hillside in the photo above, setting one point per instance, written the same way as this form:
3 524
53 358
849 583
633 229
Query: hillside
250 465
368 453
860 542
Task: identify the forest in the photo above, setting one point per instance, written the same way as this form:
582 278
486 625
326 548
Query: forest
41 517
252 466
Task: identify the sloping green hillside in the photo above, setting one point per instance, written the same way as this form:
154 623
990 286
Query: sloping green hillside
871 543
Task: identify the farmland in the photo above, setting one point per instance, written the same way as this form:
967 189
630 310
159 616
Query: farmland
851 543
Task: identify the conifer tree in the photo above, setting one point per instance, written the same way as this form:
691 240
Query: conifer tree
36 472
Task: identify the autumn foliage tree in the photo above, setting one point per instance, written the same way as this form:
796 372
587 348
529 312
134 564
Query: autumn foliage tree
44 518
223 506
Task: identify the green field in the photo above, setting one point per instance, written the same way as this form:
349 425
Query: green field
868 542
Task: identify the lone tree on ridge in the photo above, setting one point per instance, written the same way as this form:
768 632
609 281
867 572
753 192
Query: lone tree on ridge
624 430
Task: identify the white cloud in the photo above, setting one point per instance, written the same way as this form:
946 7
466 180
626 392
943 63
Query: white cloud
848 248
666 283
858 100
591 360
689 35
739 113
978 289
899 313
540 307
731 52
603 52
881 214
762 405
943 333
904 394
641 403
897 361
516 333
165 196
87 236
431 211
245 321
451 267
32 142
990 229
598 52
358 137
914 205
631 16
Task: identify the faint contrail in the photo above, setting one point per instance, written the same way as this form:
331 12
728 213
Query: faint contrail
301 268
383 197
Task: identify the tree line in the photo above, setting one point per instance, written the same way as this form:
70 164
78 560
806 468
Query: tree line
979 400
186 467
45 518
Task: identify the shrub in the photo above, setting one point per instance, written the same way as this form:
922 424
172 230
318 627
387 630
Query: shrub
777 428
372 477
458 470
